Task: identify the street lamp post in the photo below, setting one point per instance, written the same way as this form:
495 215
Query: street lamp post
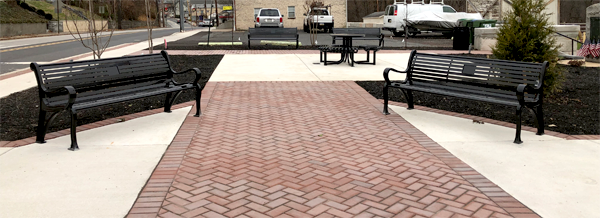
181 16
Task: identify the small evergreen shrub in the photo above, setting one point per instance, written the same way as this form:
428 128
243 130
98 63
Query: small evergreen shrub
25 6
41 12
527 36
48 16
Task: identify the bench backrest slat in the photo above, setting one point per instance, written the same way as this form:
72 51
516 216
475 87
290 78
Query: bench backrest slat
98 78
369 32
496 75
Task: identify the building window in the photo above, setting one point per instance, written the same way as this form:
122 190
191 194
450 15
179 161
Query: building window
101 9
291 12
256 12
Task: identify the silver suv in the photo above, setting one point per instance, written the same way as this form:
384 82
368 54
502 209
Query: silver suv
268 17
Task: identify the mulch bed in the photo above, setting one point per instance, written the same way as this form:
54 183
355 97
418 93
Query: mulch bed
19 111
574 111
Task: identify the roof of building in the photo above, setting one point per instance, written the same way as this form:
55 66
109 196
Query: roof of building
374 14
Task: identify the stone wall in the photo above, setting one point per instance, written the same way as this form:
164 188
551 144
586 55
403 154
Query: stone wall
364 25
492 7
245 12
130 24
80 25
17 29
485 38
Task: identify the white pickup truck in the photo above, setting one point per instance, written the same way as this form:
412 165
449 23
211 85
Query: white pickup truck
320 19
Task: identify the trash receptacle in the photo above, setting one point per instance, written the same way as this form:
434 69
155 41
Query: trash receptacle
461 37
475 23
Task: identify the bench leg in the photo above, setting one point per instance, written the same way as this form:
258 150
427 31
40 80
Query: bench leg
539 119
385 100
321 56
409 98
374 57
168 103
74 145
43 125
198 96
518 134
325 58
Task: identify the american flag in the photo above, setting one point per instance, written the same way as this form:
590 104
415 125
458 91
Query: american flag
592 48
595 50
585 49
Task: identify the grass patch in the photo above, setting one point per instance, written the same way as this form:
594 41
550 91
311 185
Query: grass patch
16 14
49 9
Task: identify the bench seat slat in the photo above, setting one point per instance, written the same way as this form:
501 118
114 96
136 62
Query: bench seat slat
502 101
473 90
132 96
105 93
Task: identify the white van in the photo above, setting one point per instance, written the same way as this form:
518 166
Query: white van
394 15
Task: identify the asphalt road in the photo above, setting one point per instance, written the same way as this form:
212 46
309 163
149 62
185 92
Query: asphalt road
17 58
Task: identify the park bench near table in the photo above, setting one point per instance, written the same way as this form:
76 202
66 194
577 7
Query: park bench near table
502 82
273 34
79 85
370 34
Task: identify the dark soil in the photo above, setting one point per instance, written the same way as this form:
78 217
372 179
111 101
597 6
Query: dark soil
19 111
574 111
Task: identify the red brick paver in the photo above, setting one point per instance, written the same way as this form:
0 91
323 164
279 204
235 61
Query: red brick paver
311 149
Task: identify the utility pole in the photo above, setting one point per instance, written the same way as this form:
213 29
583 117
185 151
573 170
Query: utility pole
157 13
181 20
217 11
120 15
57 18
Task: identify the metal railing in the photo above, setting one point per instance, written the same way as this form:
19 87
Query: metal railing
572 41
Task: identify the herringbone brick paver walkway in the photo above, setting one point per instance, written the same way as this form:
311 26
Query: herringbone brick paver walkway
306 149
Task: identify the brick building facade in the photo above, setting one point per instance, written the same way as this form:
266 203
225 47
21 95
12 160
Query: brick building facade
292 10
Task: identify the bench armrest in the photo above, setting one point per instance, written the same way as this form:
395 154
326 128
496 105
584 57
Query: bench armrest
72 94
522 88
196 70
386 73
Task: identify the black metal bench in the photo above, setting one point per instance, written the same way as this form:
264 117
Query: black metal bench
79 85
496 81
370 34
273 34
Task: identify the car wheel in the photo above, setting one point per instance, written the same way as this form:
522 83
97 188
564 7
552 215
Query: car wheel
398 34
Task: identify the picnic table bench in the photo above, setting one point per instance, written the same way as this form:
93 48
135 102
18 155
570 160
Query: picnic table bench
273 34
369 34
80 85
502 82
